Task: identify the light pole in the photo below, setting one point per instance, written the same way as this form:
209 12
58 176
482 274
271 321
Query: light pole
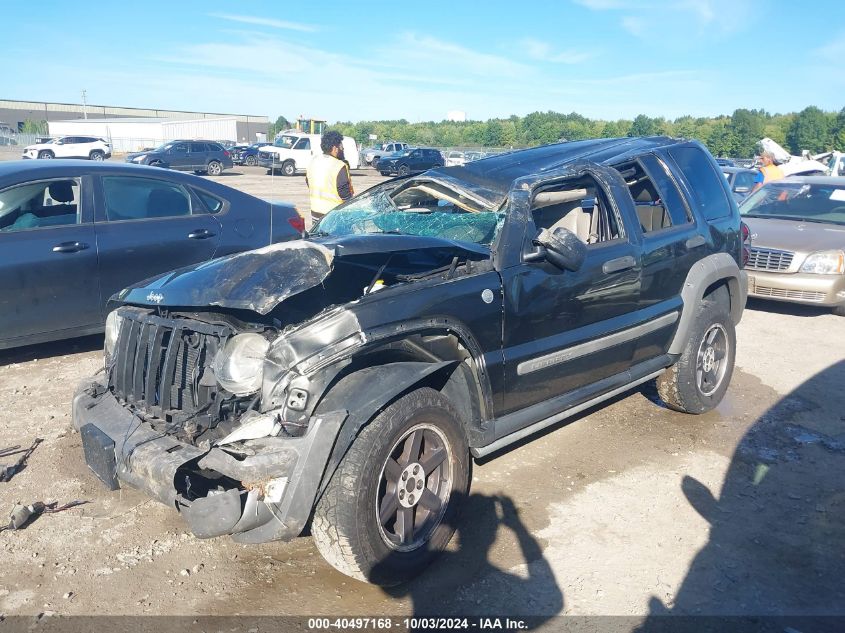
84 105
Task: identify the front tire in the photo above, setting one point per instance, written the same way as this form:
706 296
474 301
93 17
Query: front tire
289 168
45 154
249 161
697 382
392 505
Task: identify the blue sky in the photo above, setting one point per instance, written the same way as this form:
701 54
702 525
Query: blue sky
358 60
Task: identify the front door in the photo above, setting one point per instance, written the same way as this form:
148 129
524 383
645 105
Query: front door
178 157
48 272
147 226
566 329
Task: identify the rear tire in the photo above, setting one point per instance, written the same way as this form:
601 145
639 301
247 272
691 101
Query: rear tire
404 170
697 382
45 154
289 168
408 468
839 310
97 155
214 168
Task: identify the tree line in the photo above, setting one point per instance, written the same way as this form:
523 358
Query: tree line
736 135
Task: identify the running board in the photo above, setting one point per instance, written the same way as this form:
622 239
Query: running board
483 451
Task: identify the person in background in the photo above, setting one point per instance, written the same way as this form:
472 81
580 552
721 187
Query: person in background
768 172
327 178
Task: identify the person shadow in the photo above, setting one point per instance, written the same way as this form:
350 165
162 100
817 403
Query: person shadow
463 582
776 547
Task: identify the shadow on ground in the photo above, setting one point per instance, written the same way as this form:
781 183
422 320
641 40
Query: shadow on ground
464 582
777 535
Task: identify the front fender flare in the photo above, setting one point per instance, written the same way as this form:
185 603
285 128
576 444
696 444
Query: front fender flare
366 392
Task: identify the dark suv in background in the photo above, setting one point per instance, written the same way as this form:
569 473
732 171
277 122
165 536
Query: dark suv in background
206 157
410 161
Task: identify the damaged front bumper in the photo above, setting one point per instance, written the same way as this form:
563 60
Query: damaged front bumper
266 495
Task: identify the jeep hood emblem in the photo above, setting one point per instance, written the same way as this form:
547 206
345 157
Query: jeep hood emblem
155 297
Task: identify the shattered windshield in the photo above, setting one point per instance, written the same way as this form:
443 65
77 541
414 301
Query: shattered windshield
426 209
797 201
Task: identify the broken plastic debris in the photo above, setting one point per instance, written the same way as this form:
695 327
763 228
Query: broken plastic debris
257 427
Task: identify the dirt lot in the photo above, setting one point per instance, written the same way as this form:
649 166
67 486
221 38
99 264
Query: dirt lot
630 509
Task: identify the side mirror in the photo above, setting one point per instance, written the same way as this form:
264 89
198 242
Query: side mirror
562 248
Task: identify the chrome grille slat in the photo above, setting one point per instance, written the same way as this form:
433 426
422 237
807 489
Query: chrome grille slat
800 295
769 259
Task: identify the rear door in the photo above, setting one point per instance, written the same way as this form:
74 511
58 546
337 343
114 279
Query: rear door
48 271
671 243
197 155
147 226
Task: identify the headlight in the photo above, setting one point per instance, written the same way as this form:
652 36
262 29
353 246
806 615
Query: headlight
239 366
825 263
138 159
113 321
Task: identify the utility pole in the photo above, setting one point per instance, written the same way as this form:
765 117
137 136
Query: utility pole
84 105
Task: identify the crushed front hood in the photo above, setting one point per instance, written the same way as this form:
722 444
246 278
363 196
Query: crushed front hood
260 280
255 280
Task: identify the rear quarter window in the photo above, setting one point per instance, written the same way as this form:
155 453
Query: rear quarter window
707 185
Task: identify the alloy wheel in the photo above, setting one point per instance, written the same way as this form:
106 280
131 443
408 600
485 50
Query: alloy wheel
710 365
414 487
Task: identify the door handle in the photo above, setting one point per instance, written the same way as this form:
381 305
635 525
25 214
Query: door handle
200 234
620 263
696 241
70 247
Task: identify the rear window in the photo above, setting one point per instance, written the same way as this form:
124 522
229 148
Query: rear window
212 204
708 185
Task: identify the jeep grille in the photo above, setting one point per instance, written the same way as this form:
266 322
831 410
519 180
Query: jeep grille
159 363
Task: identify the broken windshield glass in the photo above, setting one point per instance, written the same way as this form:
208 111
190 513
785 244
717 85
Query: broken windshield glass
426 209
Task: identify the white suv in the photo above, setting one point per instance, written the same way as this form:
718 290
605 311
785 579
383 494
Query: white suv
70 147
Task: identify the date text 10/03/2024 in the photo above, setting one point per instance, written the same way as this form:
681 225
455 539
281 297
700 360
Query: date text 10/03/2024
432 623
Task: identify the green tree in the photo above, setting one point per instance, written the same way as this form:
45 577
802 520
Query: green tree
747 127
34 127
644 126
839 131
809 131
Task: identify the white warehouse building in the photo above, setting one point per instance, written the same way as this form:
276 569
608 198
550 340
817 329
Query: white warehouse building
128 134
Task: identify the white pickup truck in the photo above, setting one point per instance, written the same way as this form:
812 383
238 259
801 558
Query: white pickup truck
292 151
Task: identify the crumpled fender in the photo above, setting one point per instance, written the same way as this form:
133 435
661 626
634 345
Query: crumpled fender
366 392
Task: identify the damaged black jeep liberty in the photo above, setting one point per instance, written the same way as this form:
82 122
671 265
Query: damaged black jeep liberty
347 380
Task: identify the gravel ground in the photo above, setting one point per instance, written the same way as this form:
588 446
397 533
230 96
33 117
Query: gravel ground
629 509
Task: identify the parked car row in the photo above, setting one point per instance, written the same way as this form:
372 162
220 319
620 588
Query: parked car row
73 233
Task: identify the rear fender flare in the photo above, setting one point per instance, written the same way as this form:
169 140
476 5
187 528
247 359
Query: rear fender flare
704 273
